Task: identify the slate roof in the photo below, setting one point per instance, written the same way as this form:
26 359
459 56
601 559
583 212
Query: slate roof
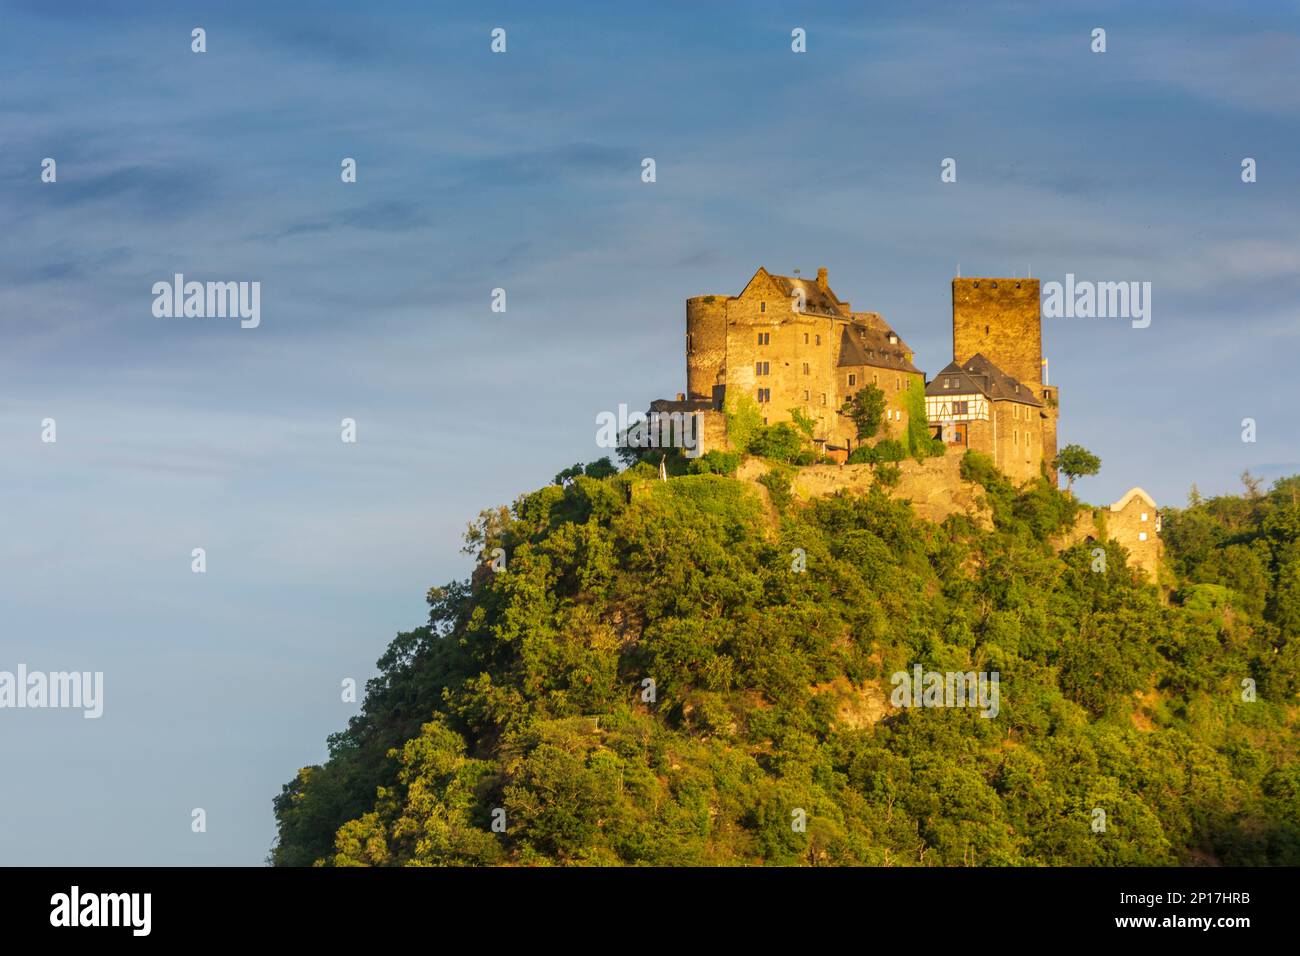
815 298
978 374
868 345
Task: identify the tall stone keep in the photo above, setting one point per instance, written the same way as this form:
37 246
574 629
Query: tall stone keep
1001 319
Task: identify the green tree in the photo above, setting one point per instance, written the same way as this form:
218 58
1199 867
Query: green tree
1075 461
920 443
744 421
866 409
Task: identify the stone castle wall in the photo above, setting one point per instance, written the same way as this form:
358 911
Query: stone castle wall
1133 522
758 340
934 486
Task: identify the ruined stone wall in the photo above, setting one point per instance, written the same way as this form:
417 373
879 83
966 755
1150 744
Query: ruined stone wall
1128 527
1135 528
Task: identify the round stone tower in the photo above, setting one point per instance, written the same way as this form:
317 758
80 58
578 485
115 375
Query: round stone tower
706 345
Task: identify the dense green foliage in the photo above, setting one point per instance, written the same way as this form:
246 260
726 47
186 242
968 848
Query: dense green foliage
600 468
526 698
780 442
715 462
920 443
863 455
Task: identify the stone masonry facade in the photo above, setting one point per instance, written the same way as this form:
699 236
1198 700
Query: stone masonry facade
789 344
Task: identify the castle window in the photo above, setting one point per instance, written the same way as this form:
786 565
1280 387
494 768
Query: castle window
805 338
807 396
875 379
960 408
853 380
764 338
1142 535
819 340
823 398
1144 516
898 384
762 307
806 368
761 368
1015 435
764 395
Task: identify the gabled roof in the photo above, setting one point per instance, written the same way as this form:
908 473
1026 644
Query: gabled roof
1129 496
978 374
870 345
816 299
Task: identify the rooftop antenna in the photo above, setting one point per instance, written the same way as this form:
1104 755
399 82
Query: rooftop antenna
959 270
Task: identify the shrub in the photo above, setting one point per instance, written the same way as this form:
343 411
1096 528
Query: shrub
715 462
780 442
744 422
890 449
863 455
887 475
777 482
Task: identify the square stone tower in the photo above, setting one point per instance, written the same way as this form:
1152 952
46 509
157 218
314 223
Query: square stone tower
1001 319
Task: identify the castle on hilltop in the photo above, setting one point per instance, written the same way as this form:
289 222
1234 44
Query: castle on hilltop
791 344
793 347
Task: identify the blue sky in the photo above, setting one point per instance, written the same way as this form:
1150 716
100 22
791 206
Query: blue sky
522 171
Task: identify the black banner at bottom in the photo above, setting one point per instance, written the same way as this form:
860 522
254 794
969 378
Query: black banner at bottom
237 905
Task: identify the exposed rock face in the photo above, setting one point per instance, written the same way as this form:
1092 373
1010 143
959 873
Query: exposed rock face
934 486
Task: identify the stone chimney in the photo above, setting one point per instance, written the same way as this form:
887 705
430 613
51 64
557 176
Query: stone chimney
821 279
